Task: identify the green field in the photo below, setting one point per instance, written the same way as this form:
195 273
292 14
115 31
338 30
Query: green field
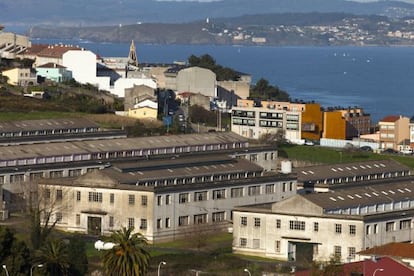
322 155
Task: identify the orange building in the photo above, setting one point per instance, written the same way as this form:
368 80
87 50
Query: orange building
312 121
334 125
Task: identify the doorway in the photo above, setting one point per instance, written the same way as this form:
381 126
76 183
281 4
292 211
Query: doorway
94 226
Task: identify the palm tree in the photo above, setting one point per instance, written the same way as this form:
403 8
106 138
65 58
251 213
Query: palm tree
54 257
129 256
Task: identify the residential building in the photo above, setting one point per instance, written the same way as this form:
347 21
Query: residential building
163 199
324 178
394 130
146 109
82 64
197 80
253 119
43 53
334 125
20 76
318 226
54 72
357 122
136 94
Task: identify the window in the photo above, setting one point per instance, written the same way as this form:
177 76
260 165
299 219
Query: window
389 226
47 193
200 219
143 224
131 199
253 190
270 188
159 221
131 223
111 221
405 224
256 243
159 200
278 223
167 223
368 230
243 221
183 198
256 222
337 251
59 194
78 195
351 252
111 198
77 219
219 194
59 217
182 220
352 230
236 192
144 200
277 246
297 225
218 216
243 242
95 197
338 228
316 226
200 196
375 228
167 200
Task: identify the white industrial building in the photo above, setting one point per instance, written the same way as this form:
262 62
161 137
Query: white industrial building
316 227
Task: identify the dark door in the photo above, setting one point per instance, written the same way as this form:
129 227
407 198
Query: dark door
94 226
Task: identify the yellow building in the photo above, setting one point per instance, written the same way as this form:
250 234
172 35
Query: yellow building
144 110
20 76
334 125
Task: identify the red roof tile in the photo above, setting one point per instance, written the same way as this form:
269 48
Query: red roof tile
390 119
402 250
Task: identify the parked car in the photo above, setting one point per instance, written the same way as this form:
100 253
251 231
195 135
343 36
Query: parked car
390 151
365 148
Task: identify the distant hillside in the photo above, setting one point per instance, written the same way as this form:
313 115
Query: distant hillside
274 29
109 12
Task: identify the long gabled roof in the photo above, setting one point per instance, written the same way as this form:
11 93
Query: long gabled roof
387 192
341 170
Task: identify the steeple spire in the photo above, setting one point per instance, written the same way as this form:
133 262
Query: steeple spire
132 57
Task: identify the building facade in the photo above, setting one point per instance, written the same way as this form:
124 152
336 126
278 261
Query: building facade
316 227
253 121
164 199
394 130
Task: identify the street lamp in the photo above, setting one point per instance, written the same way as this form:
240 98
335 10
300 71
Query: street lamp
5 269
33 266
159 266
246 270
376 270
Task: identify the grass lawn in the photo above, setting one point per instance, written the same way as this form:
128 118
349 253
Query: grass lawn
322 155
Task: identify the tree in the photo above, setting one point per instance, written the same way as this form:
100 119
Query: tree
54 257
77 256
262 90
129 256
14 253
43 212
